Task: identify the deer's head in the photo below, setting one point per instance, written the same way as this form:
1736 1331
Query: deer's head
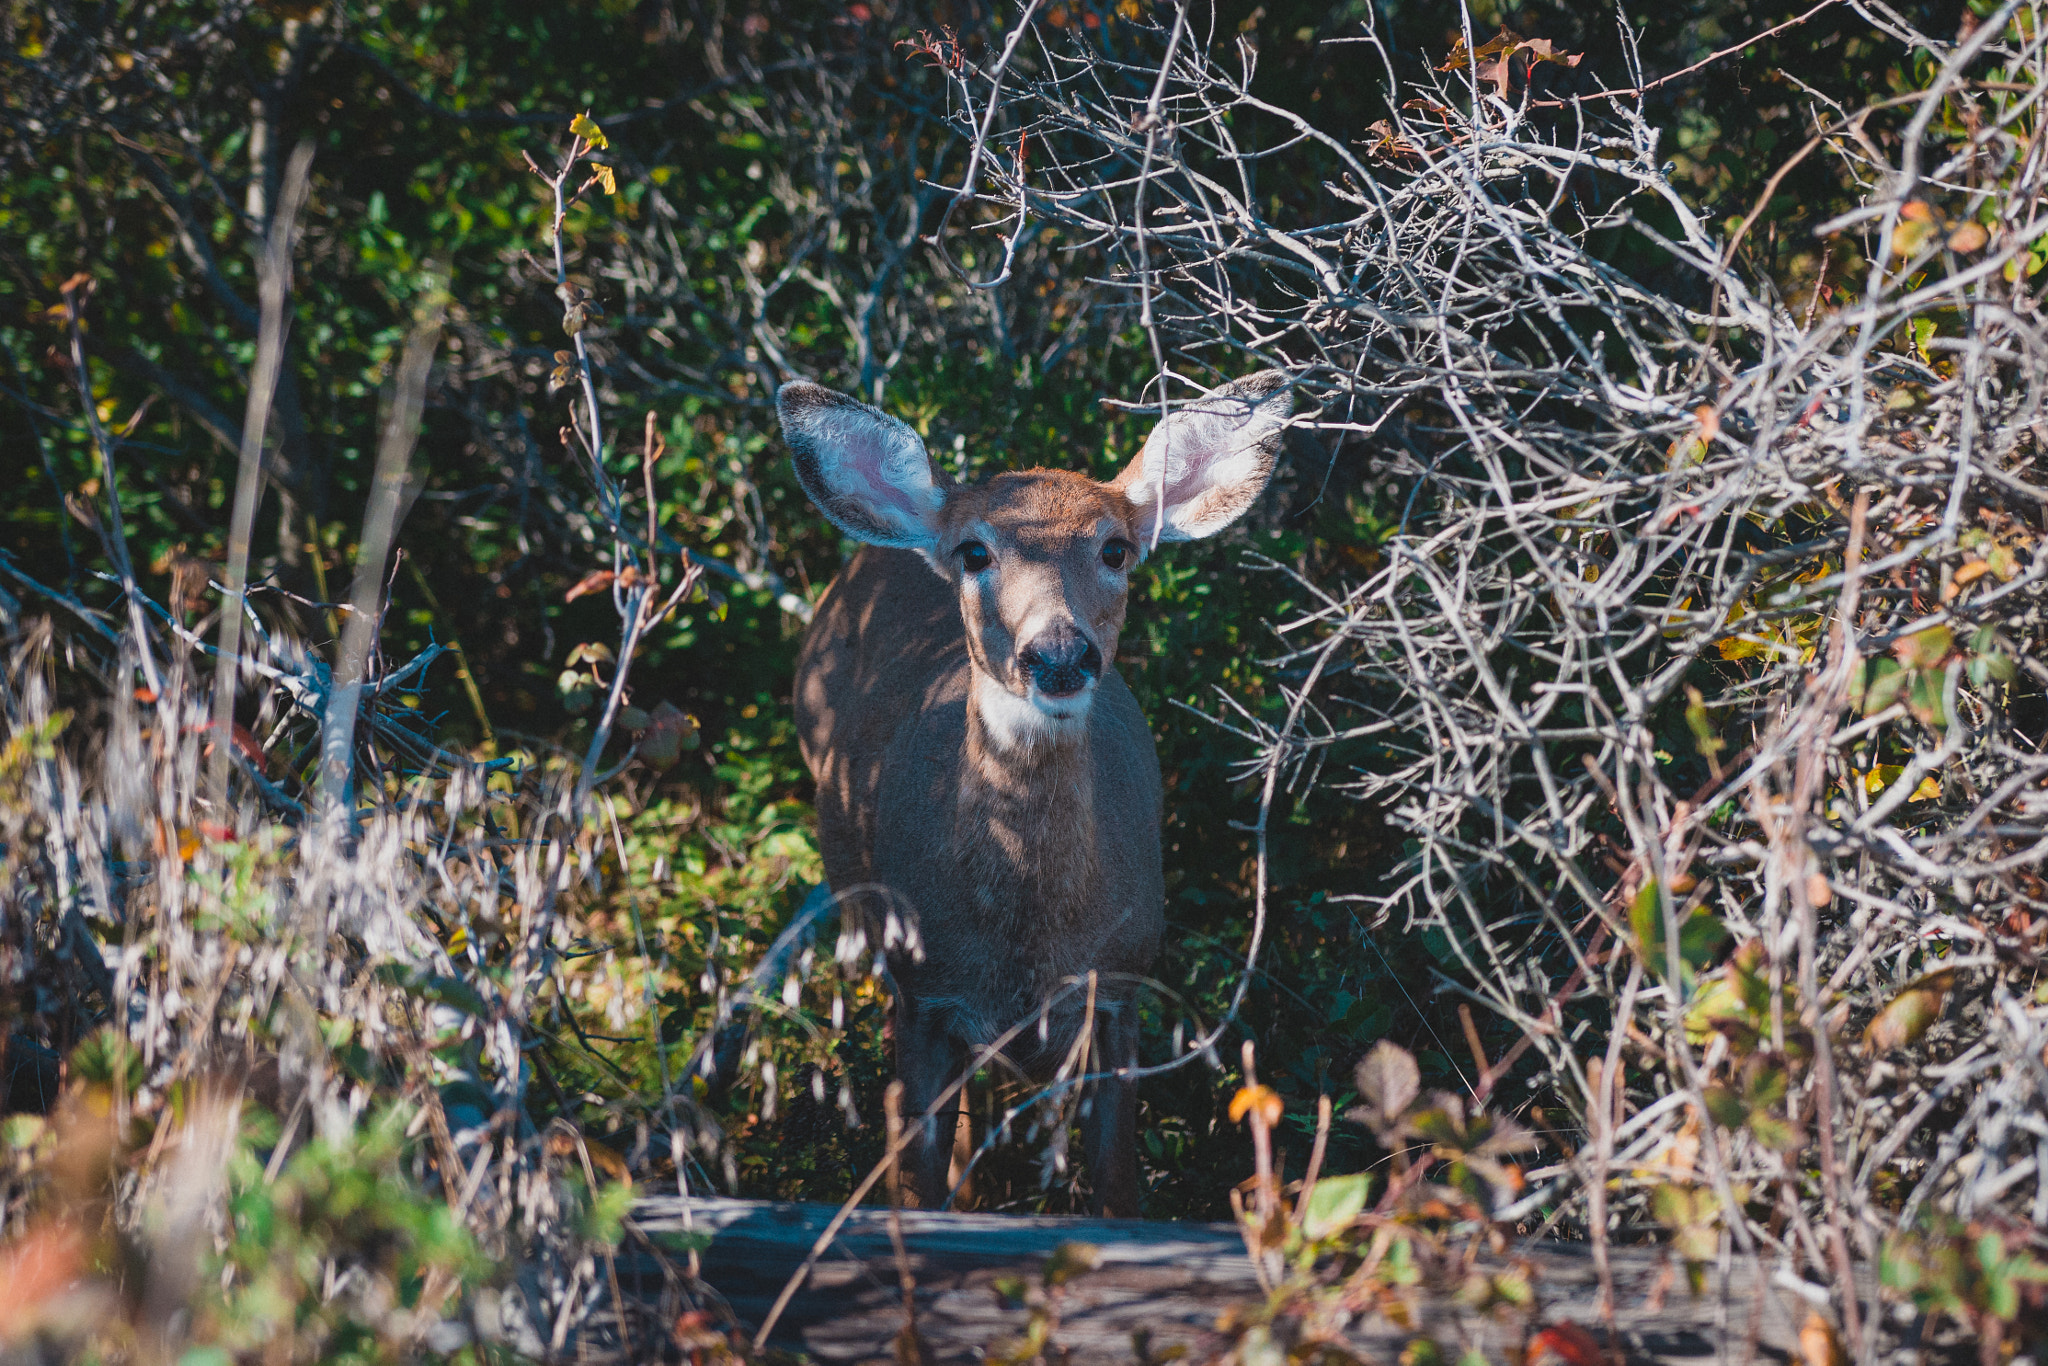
1040 559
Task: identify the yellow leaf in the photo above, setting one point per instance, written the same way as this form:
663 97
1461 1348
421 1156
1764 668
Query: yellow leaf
1909 237
1263 1102
1818 1343
1882 776
1735 647
607 179
584 128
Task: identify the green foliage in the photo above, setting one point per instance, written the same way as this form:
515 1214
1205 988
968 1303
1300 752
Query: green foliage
701 852
347 1205
1979 1275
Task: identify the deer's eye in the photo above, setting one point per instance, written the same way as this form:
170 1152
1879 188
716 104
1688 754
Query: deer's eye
1115 553
974 556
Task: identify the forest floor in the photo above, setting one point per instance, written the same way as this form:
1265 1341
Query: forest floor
1171 1280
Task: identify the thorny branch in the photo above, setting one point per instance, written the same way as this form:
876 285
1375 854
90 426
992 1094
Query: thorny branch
1703 672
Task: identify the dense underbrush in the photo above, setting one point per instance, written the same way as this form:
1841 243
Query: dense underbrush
1607 768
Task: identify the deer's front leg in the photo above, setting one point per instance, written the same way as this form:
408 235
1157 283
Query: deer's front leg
928 1058
1110 1128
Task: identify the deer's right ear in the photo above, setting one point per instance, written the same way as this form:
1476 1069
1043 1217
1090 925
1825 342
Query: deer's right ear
865 470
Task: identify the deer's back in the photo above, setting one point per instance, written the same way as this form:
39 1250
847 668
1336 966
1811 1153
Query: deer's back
885 635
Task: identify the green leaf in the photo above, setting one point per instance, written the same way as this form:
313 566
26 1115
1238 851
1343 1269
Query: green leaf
584 128
1925 649
1705 738
1923 332
453 992
1725 1106
1333 1204
1924 700
1765 1085
1680 1207
21 1131
1070 1260
1700 938
604 1221
2002 1292
678 1241
1774 1133
1423 1352
1646 921
1885 681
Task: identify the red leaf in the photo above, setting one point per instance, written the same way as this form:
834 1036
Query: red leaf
592 582
1569 1343
245 742
36 1268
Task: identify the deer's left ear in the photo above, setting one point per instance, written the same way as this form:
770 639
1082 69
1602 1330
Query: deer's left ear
1217 453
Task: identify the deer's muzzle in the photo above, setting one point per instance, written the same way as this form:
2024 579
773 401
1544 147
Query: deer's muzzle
1062 662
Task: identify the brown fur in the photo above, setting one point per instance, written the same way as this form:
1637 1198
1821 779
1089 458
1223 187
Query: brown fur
1049 866
984 776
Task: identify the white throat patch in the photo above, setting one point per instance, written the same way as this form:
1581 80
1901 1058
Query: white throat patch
1014 722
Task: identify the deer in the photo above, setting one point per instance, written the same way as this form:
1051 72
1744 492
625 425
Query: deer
984 775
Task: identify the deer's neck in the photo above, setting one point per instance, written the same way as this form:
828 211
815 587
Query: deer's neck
1025 823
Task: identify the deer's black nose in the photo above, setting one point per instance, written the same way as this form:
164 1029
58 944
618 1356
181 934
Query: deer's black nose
1061 661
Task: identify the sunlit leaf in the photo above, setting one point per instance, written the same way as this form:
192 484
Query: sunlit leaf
1739 647
1909 1014
1070 1260
1923 333
1819 1345
1910 236
1388 1080
1262 1102
1925 649
1705 738
1569 1343
1333 1204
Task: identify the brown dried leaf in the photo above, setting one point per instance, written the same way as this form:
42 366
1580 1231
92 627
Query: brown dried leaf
1910 1013
1388 1081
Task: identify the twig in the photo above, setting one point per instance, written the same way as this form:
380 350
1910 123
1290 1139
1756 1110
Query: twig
380 525
274 289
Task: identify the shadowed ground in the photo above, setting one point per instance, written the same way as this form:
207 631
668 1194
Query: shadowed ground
1169 1278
